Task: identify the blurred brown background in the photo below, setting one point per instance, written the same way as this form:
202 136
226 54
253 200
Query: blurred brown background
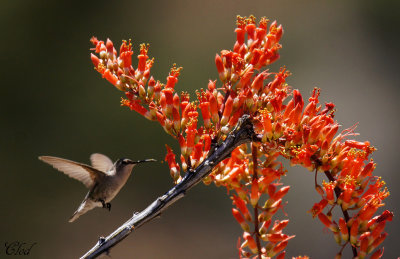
54 103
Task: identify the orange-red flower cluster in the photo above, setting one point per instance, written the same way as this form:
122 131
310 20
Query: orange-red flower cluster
262 192
306 134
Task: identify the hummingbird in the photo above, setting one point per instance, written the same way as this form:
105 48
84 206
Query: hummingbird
103 178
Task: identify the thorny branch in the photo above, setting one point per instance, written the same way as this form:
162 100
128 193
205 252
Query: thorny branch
243 133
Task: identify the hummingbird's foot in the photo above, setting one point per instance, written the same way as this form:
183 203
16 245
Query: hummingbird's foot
103 203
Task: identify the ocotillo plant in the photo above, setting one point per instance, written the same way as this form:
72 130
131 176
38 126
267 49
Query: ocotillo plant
250 117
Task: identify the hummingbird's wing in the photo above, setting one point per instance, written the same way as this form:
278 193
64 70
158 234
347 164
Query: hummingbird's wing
101 162
81 172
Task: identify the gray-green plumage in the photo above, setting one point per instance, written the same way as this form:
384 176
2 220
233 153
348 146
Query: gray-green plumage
104 178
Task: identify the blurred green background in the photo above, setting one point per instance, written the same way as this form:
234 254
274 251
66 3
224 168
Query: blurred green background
54 103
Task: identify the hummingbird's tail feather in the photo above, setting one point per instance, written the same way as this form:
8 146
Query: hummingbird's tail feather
85 206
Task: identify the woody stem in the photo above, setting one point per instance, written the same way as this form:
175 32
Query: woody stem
345 213
243 133
255 177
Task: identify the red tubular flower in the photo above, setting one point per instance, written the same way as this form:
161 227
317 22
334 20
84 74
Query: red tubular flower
176 102
264 227
161 118
363 245
169 97
344 231
378 230
367 170
377 242
356 144
289 107
378 254
191 132
267 125
298 99
279 194
245 78
176 119
329 188
331 133
213 108
109 46
184 101
189 115
169 100
240 219
207 143
279 32
278 81
275 238
205 112
251 27
174 167
273 208
295 115
157 91
211 86
354 232
139 108
94 41
220 68
242 207
227 111
318 207
234 173
373 190
172 79
348 190
315 130
110 77
182 144
385 216
227 58
279 225
198 154
372 205
250 242
256 56
327 222
95 60
255 194
240 32
271 190
151 88
235 118
204 107
258 82
143 57
278 248
126 54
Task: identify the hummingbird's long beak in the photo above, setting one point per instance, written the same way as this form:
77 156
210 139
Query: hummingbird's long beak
145 160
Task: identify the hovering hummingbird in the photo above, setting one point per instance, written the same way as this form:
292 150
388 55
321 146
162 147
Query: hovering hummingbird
104 178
